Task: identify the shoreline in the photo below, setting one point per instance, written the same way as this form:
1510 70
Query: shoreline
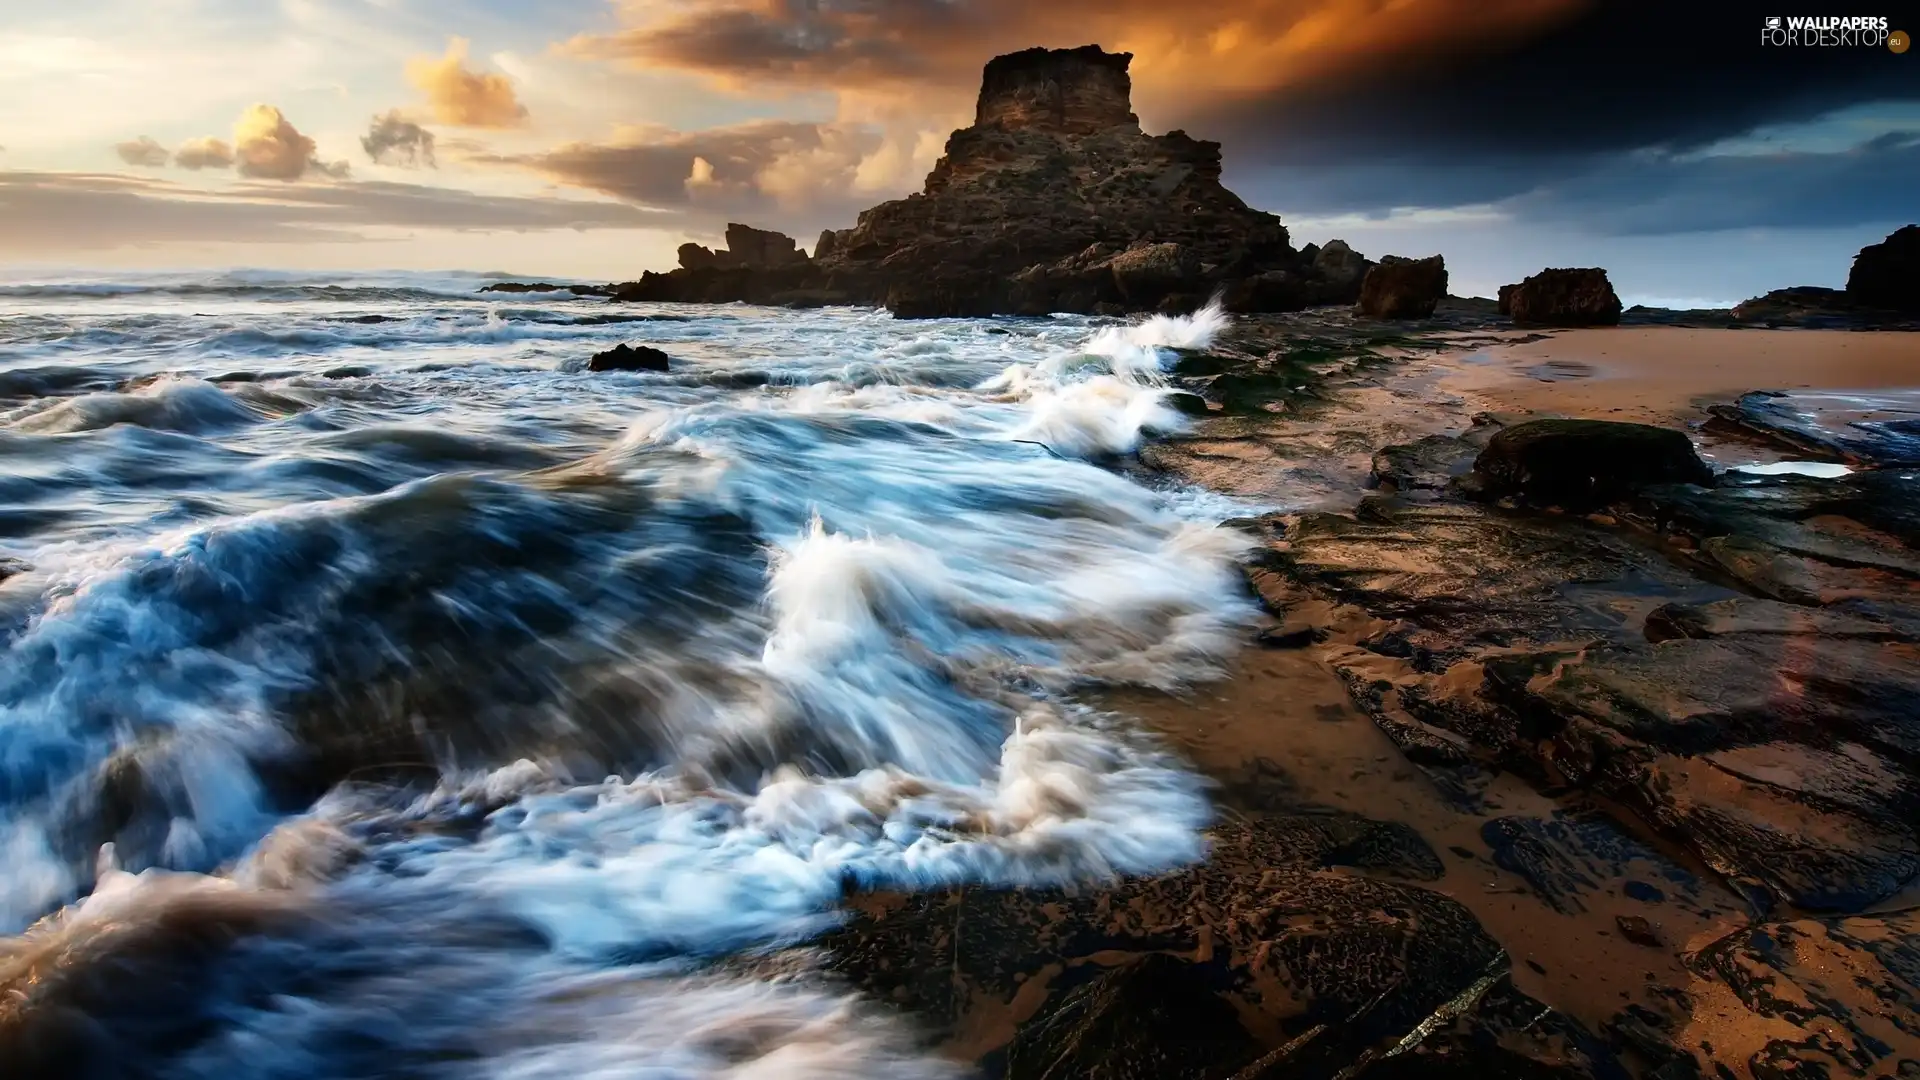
1283 723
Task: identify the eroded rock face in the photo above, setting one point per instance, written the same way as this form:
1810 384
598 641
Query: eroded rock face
1564 297
1063 91
1887 275
1403 288
1053 200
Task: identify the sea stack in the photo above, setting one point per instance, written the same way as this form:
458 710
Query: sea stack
1052 200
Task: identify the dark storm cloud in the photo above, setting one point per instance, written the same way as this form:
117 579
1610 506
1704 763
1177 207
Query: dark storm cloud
1634 193
1627 74
1593 119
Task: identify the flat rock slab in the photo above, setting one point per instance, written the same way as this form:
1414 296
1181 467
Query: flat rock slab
1736 665
1809 427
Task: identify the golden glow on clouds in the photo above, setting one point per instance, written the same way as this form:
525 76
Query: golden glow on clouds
1183 53
464 97
266 146
205 152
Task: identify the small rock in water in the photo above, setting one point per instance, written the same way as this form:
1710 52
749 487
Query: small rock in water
625 357
1637 929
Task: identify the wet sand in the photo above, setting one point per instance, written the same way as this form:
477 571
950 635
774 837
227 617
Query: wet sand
1666 375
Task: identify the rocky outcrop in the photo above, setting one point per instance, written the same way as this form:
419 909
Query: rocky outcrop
625 357
1403 288
1887 275
747 247
1053 200
1882 293
547 287
1563 297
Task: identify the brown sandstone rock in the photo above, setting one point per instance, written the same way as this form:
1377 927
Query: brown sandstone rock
1403 288
1564 297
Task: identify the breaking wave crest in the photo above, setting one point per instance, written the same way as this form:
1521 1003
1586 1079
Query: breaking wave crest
458 718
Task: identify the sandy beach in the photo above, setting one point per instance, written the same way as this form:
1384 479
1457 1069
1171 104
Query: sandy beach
1665 375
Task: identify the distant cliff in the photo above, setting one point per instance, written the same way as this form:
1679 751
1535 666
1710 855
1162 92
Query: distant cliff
1053 200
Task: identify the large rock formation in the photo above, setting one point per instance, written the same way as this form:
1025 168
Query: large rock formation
1563 297
1887 275
1403 288
1053 200
1882 293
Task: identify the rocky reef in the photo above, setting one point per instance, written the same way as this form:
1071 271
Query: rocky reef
1054 199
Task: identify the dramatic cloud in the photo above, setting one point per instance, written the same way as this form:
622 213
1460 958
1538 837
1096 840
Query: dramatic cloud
1624 75
53 212
266 146
796 176
1184 51
203 153
395 140
462 97
143 152
1362 106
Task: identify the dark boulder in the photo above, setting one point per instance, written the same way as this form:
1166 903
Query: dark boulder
1399 288
1564 297
1155 1017
1506 299
1584 463
1887 275
625 357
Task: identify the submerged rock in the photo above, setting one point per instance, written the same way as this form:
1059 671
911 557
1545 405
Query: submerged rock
1403 288
1585 463
546 287
1563 297
624 357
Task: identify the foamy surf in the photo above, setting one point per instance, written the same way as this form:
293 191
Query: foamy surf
459 666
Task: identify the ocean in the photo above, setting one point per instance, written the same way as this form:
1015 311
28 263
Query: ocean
385 695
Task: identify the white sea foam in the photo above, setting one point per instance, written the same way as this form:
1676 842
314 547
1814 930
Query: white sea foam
895 712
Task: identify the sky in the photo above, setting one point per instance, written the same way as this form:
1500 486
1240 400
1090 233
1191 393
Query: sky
587 139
